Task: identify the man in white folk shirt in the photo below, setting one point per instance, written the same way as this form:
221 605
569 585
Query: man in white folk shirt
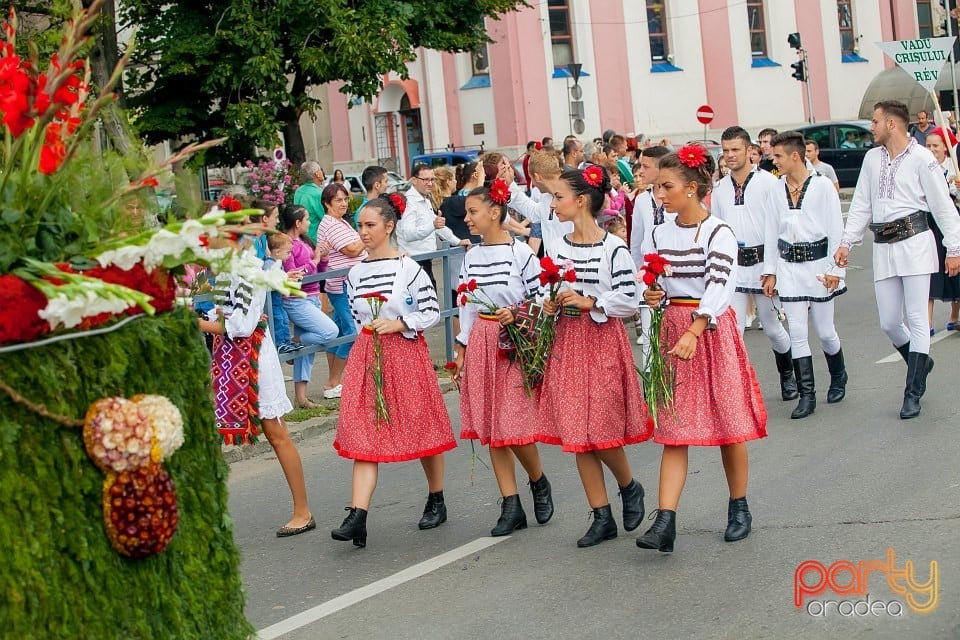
899 182
745 200
420 226
809 227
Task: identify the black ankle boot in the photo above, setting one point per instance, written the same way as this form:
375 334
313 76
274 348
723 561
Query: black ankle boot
434 513
917 369
354 527
738 520
838 377
662 534
512 516
803 367
905 353
632 497
603 528
788 381
542 499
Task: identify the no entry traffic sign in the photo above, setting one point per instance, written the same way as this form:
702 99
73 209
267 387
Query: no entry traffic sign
705 114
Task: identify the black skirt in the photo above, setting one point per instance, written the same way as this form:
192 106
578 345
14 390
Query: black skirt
942 287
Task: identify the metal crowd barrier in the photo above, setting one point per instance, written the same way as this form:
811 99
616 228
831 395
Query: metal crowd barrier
447 281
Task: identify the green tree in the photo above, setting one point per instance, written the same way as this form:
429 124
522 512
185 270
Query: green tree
241 68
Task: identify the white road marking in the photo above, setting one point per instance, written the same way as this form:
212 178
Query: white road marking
358 595
895 357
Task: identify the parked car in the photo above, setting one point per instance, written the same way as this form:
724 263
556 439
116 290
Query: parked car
842 145
446 158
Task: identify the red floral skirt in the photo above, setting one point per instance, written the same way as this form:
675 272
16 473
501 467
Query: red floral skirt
591 398
419 424
494 408
717 399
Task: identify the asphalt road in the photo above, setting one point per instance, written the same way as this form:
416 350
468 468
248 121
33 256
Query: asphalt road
846 484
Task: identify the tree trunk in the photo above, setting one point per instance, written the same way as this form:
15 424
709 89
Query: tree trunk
293 137
103 60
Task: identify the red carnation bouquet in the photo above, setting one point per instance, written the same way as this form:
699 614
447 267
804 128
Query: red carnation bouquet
658 374
381 413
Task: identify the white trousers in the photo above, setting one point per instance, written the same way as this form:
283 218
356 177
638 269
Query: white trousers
905 292
772 328
822 315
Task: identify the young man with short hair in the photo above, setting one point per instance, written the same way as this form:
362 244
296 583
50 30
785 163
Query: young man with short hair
544 170
900 184
766 161
809 228
374 181
824 169
746 200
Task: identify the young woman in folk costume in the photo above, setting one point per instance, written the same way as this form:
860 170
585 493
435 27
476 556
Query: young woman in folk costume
494 407
717 399
590 400
416 425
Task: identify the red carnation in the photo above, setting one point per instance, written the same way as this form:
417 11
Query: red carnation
462 287
570 276
649 278
538 146
692 156
462 300
20 304
450 366
399 203
593 175
381 297
499 192
548 265
472 285
230 204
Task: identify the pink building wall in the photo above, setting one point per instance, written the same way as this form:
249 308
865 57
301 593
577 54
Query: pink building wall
610 54
339 123
518 75
451 95
810 26
718 62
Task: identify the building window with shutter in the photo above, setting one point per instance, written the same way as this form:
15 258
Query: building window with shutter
657 31
758 28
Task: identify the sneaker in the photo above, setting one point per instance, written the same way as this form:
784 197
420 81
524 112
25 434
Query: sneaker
288 347
330 394
751 318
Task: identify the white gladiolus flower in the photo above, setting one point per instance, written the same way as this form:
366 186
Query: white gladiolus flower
124 257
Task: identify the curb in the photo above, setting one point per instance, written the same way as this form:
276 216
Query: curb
299 431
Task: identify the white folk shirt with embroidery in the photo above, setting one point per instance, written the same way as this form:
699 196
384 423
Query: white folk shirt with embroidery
415 231
889 189
506 273
410 294
752 215
645 209
605 270
703 259
552 229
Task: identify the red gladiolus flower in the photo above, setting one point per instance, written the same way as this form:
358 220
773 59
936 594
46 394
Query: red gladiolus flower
20 304
570 276
472 285
51 156
593 175
692 156
500 192
649 278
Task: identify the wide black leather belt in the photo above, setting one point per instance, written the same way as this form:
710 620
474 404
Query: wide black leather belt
802 251
749 256
901 228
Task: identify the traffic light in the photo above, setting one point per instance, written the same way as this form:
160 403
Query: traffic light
799 71
794 40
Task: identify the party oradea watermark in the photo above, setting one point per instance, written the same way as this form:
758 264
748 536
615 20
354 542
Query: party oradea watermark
861 588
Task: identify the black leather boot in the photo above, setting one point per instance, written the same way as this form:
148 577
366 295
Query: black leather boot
354 527
905 353
788 381
803 367
542 499
512 516
838 377
434 513
917 370
662 534
632 497
738 520
603 528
